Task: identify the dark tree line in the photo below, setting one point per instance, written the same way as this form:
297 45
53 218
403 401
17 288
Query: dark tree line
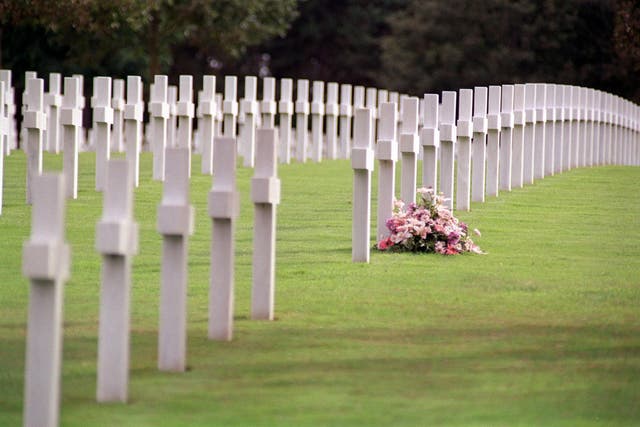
412 46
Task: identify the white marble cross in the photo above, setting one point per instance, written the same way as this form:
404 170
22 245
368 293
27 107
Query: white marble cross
34 123
302 116
4 131
117 242
175 223
479 146
53 101
346 115
248 129
362 164
285 109
102 118
9 111
71 120
224 207
493 140
230 107
268 103
550 129
386 151
133 111
317 116
206 125
529 131
172 126
465 132
447 145
371 102
409 149
599 128
265 194
560 129
506 137
117 103
185 110
567 134
46 262
331 114
576 131
540 132
430 141
517 162
159 115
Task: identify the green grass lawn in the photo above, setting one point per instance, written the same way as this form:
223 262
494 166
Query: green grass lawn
542 331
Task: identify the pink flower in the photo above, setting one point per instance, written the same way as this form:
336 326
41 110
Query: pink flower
477 232
385 243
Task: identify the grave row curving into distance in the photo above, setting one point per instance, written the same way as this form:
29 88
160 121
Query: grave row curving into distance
481 140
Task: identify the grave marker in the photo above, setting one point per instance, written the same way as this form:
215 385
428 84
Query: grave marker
362 164
53 101
590 127
268 104
447 145
567 134
208 108
386 151
102 119
430 142
371 102
317 114
479 146
173 119
332 111
409 149
159 115
132 123
4 130
224 207
559 128
506 137
117 241
117 103
346 114
250 107
46 262
517 170
529 131
34 123
175 223
71 120
219 117
575 127
493 141
465 131
550 131
9 111
185 111
229 108
540 125
285 108
599 128
302 115
265 194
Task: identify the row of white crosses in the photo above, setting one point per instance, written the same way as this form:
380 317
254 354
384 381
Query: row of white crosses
504 137
327 109
46 259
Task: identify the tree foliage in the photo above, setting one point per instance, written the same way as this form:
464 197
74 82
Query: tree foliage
434 46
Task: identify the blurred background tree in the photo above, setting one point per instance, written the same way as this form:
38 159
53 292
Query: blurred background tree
413 46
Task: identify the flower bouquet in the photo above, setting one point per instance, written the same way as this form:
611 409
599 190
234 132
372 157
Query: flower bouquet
427 226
